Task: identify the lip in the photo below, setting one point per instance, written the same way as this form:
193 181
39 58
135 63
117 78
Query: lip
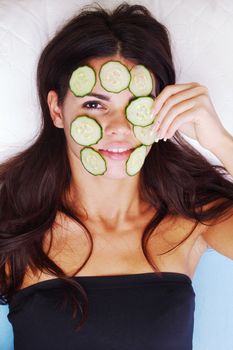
113 145
116 155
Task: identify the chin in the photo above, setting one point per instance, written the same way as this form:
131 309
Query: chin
116 173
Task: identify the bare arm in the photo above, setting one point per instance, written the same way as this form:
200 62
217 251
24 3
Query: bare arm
220 235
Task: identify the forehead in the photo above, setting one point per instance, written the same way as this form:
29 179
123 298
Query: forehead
97 62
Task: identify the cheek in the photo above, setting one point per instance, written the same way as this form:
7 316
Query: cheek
74 146
67 126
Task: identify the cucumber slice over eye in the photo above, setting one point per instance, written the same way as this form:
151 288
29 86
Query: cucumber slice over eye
82 81
139 111
93 161
86 131
136 160
114 76
141 83
143 134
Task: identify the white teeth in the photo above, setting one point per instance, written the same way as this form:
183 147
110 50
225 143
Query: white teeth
117 150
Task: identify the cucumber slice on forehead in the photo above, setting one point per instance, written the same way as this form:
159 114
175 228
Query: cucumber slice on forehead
82 81
93 161
141 83
143 134
136 160
85 131
114 76
139 111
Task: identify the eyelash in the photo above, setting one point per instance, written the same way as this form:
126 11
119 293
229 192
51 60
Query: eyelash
91 102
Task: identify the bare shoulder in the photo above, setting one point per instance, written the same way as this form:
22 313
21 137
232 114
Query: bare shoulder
66 244
71 246
219 234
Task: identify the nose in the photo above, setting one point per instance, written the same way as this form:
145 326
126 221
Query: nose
118 125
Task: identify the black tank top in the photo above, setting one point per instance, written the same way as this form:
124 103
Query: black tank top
126 312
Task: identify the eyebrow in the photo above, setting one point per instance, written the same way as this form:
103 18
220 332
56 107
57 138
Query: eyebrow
106 98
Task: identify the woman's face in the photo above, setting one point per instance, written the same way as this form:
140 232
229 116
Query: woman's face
109 110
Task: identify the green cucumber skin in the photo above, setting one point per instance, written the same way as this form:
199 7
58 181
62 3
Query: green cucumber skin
101 130
101 157
116 92
144 144
141 95
139 125
128 160
151 85
86 65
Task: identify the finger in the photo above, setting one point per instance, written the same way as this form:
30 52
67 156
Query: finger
172 114
174 100
168 91
183 118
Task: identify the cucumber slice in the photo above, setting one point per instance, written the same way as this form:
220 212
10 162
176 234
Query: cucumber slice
114 76
82 81
85 131
136 160
139 111
93 161
143 134
141 83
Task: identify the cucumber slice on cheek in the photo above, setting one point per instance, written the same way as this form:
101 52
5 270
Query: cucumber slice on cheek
136 160
86 131
93 161
143 134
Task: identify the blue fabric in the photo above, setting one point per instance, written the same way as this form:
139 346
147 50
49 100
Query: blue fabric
6 331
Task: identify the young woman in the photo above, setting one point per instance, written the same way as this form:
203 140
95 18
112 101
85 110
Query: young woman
101 230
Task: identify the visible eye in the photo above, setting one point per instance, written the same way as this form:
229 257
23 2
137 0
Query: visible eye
92 104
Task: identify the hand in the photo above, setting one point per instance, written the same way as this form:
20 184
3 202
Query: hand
187 108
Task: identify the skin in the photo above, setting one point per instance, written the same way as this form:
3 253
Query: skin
115 187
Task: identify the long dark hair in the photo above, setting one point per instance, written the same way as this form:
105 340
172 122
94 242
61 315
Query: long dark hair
175 178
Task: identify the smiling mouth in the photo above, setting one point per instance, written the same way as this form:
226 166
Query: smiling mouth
111 151
116 155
